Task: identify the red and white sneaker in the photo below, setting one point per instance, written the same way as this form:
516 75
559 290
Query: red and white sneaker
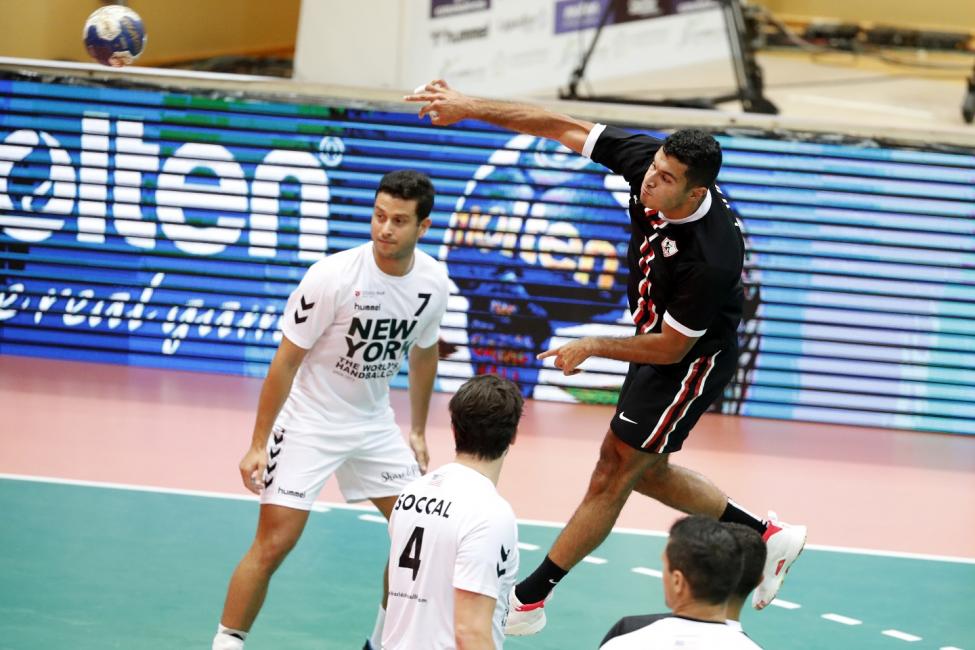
784 544
524 620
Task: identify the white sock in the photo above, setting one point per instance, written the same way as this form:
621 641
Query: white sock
376 640
228 638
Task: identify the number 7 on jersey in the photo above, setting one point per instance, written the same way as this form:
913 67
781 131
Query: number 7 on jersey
425 297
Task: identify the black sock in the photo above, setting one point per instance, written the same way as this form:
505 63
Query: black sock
540 584
736 514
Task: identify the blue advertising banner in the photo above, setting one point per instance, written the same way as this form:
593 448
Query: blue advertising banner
167 229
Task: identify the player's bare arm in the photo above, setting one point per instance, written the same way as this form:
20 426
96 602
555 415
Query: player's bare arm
423 372
472 620
444 106
669 346
274 392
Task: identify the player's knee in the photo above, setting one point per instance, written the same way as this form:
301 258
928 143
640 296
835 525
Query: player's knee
654 480
270 550
609 478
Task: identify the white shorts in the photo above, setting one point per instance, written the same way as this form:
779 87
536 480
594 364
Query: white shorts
368 463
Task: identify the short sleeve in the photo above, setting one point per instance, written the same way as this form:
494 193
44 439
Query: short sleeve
487 553
431 331
311 307
627 154
695 304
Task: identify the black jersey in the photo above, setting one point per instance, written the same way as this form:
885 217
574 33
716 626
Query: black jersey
686 273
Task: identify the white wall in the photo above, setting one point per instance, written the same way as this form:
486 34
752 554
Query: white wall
509 48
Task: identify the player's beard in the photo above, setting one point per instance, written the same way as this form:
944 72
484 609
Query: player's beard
395 251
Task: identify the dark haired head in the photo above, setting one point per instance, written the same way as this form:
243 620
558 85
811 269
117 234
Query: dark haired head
411 186
699 151
707 554
484 413
753 552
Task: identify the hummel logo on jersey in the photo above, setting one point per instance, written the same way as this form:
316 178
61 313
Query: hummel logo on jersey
501 571
304 308
668 246
626 419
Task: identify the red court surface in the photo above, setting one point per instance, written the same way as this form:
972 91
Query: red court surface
854 487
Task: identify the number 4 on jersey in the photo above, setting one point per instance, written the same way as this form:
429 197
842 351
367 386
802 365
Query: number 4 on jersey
410 557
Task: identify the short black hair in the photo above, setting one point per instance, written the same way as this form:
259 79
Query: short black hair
410 185
753 552
707 554
484 413
699 151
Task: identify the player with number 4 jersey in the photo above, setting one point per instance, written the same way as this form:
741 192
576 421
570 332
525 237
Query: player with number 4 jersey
453 539
324 408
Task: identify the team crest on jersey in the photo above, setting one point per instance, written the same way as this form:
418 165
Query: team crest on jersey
668 246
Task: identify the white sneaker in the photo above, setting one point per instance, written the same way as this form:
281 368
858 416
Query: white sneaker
784 544
524 620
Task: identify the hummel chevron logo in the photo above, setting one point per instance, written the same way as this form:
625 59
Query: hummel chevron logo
504 554
303 309
626 419
501 571
271 467
278 439
274 452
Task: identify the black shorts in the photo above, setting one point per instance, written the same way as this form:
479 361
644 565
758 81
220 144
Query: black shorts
659 405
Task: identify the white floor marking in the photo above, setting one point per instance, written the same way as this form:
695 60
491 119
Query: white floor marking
529 522
594 560
845 620
642 570
785 604
525 546
903 636
376 519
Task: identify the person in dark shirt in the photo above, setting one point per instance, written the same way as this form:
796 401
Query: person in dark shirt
702 567
685 296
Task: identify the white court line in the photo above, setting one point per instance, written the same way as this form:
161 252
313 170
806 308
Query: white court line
903 636
525 546
785 604
594 560
529 522
845 620
376 519
949 647
644 571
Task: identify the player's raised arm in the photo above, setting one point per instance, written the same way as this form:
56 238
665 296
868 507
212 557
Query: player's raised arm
444 106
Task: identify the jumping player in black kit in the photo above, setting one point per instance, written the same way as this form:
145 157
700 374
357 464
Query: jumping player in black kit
685 295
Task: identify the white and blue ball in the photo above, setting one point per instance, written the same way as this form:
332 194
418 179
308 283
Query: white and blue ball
114 35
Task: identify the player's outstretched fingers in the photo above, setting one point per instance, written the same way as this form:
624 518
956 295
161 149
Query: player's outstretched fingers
551 352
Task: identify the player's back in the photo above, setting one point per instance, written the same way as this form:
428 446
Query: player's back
449 529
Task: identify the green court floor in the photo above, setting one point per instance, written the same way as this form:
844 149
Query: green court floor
90 568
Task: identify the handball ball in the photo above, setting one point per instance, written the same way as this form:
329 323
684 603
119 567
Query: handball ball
114 35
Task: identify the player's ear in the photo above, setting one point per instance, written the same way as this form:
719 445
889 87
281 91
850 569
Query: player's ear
425 226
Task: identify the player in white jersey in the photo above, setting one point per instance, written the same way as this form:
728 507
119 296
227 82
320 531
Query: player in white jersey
702 568
453 539
324 407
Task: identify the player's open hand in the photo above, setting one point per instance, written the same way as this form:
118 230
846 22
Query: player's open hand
252 467
418 443
441 103
569 356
